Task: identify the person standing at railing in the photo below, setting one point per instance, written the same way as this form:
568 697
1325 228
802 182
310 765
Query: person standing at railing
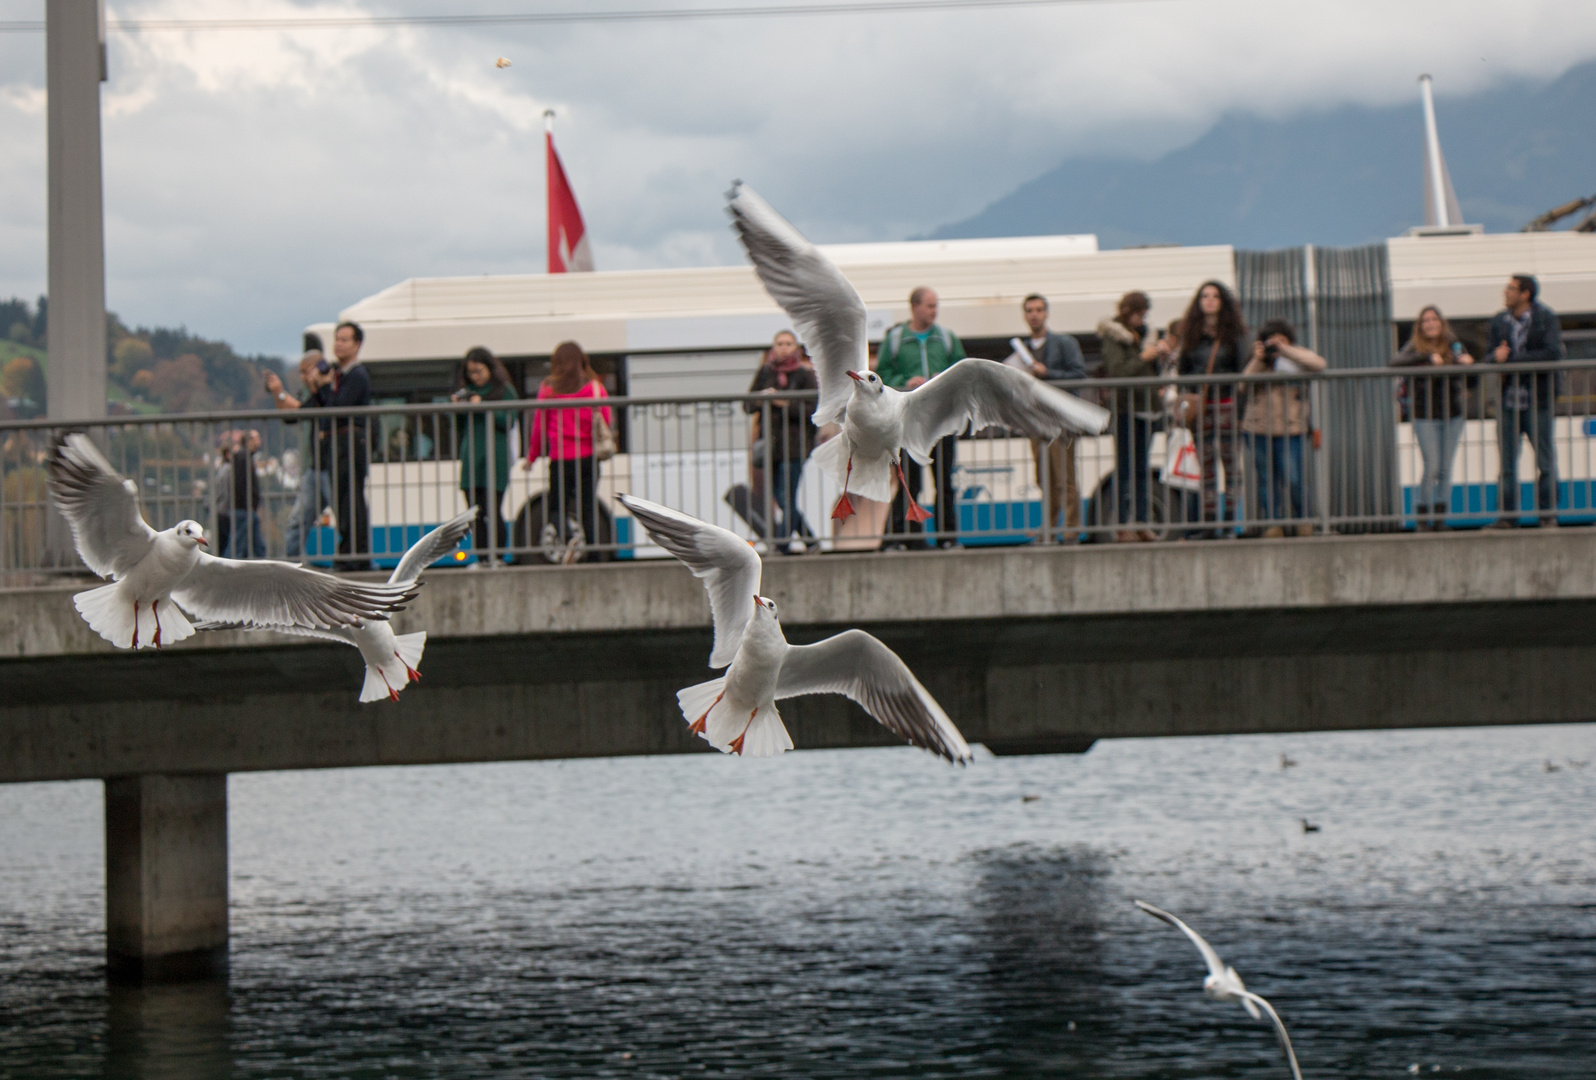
1214 343
566 437
1054 357
222 488
913 353
1276 424
1527 333
245 541
349 456
315 482
482 377
791 434
1437 402
1126 356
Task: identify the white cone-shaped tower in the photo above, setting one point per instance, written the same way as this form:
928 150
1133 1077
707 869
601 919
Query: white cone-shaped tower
1440 201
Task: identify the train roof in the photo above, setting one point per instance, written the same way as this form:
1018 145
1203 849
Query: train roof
980 282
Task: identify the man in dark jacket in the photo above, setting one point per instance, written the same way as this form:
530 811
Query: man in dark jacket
346 454
1526 333
1054 357
245 540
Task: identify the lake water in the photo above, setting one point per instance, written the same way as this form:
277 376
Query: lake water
853 914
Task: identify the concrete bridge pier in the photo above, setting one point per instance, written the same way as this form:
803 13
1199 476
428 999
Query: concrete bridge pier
166 878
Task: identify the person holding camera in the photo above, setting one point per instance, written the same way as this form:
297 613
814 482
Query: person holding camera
1437 404
315 482
482 377
791 435
1275 424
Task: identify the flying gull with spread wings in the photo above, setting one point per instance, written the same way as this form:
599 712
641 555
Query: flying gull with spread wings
159 575
1223 984
737 713
878 421
391 659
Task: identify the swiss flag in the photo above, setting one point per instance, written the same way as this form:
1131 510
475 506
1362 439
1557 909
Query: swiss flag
568 246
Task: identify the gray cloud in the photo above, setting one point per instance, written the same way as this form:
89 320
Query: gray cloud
258 181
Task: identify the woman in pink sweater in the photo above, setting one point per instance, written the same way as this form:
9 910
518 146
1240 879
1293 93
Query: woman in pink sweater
565 437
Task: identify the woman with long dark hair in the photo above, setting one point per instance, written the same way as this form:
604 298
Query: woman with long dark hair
1437 410
1214 343
565 437
481 376
1126 355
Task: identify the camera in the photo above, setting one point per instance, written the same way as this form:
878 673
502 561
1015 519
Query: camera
1271 350
322 367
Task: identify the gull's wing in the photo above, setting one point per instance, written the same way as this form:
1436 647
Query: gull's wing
855 664
1280 1030
279 594
297 631
432 547
984 393
101 506
1216 966
726 562
825 309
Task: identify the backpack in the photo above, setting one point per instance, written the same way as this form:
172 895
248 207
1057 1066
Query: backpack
894 340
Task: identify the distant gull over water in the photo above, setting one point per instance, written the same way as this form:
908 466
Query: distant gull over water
879 422
157 573
1223 984
391 659
737 713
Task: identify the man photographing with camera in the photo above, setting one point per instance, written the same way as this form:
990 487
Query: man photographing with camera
315 484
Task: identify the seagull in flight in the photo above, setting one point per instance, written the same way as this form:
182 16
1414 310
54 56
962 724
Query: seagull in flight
1223 984
158 575
391 659
736 713
879 422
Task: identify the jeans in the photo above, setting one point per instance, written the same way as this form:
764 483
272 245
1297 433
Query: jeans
315 492
574 488
1216 444
947 513
788 474
1277 465
1511 426
1438 441
349 465
244 540
1133 476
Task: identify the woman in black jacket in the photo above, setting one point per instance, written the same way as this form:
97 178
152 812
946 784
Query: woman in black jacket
790 434
1214 343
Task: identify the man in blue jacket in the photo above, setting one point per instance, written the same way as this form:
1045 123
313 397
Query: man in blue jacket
1526 333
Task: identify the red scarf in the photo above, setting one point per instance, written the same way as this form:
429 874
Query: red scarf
785 368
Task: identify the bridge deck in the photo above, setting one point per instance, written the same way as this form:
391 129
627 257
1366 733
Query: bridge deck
1029 649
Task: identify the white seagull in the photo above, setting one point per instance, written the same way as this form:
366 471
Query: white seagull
737 713
878 421
1223 984
391 659
150 568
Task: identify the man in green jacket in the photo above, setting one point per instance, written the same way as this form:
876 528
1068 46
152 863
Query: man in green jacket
912 353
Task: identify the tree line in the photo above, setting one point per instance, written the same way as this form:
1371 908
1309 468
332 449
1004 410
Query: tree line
148 369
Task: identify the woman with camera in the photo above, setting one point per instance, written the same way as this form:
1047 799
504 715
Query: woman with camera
1437 403
481 376
1276 423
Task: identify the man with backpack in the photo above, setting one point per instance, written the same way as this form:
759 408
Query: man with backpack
912 353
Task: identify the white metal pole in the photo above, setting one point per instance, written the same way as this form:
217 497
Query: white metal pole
1432 151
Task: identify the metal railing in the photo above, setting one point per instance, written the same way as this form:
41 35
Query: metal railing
1272 455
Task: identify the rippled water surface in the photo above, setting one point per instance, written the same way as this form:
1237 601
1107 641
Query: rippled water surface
852 914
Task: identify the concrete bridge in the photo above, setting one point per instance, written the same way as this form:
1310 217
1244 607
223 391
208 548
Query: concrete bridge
1030 650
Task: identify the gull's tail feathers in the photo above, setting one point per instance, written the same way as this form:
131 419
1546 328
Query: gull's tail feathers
386 679
760 735
698 701
110 613
871 477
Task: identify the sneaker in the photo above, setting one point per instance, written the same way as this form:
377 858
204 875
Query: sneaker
1274 532
1504 524
1548 523
896 545
1304 530
947 545
796 547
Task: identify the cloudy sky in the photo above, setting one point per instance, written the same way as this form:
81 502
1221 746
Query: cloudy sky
257 181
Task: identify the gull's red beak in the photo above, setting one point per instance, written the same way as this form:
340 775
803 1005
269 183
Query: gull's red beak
855 376
202 540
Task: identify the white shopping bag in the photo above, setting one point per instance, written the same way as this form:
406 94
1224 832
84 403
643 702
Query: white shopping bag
1182 469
